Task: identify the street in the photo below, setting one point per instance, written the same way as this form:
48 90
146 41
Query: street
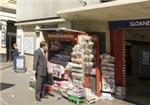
15 91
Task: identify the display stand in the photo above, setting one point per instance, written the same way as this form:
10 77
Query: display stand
68 38
20 64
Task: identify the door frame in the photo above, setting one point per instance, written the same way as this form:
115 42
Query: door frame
118 51
10 46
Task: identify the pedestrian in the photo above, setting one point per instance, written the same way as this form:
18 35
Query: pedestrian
15 55
40 68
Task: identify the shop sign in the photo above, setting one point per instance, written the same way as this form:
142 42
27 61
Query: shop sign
141 23
20 64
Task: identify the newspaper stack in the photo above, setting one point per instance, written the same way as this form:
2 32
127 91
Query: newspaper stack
108 73
81 61
82 58
90 96
120 92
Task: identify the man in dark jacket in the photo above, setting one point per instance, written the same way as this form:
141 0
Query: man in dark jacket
40 68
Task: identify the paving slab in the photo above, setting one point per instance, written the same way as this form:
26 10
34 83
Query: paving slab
17 92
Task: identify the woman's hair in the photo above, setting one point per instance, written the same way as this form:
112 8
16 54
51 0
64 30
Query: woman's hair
15 45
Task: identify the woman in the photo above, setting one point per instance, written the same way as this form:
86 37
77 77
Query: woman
15 55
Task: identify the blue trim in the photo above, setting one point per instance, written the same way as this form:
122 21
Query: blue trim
139 23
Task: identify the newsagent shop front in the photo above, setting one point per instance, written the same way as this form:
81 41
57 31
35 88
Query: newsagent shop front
79 72
75 70
130 45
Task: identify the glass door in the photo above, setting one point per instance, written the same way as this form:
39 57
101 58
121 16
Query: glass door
144 62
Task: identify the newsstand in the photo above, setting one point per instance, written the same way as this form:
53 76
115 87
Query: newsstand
74 62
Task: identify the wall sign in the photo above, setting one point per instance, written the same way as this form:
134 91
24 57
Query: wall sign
141 23
3 36
29 44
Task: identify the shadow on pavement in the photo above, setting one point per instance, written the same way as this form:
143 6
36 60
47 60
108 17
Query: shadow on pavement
4 86
5 67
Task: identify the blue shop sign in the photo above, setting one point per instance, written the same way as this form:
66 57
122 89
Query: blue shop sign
141 23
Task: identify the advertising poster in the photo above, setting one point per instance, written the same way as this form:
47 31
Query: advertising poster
29 44
20 63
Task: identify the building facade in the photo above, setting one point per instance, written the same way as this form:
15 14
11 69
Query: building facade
37 14
7 28
127 39
93 16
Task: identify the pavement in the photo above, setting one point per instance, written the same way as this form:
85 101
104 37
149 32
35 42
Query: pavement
15 91
4 65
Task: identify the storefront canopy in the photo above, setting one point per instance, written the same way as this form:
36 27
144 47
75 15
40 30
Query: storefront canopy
115 10
36 22
59 30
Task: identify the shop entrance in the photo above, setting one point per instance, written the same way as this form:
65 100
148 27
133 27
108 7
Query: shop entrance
137 57
11 39
130 45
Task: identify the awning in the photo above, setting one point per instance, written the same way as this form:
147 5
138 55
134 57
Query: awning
48 21
59 30
115 10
